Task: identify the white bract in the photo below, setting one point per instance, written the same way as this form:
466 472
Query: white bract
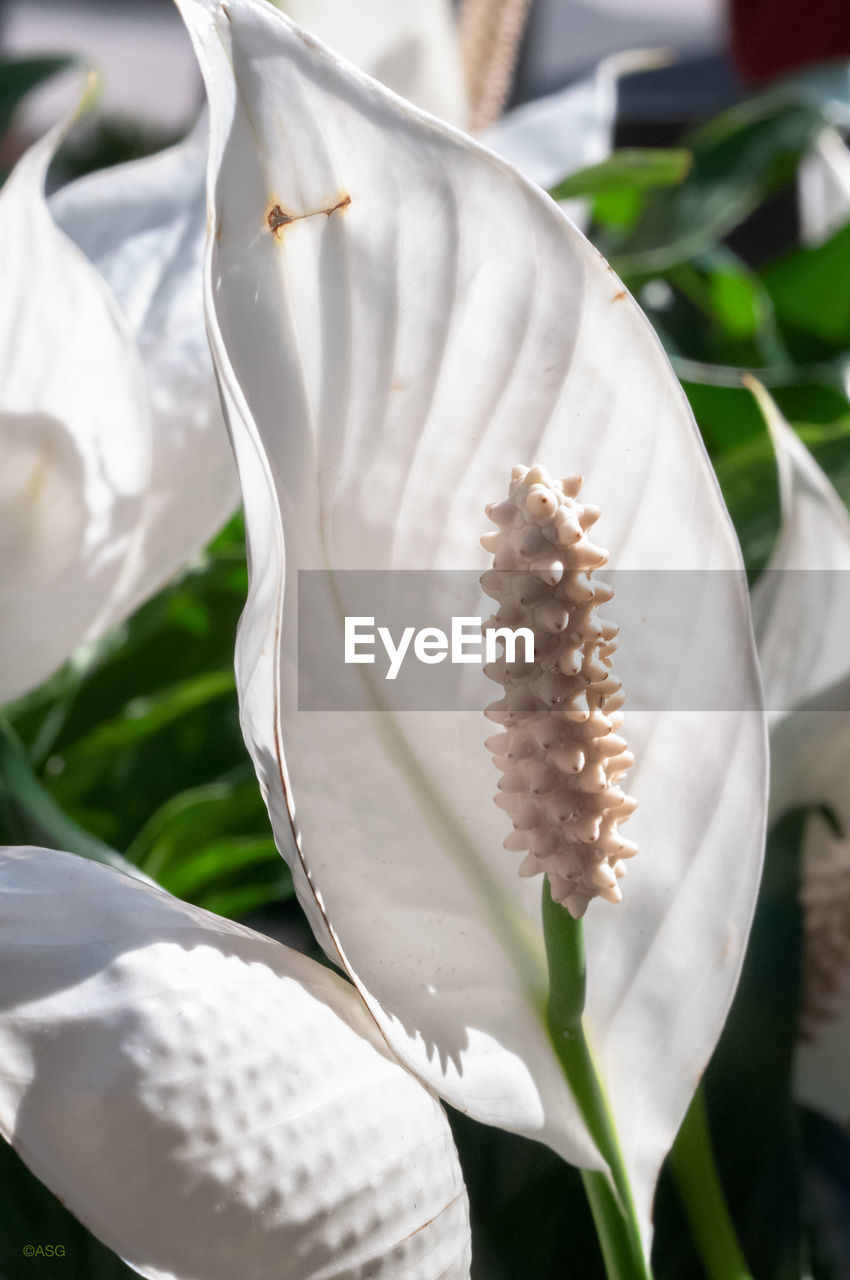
75 438
111 486
409 45
800 612
397 317
80 568
208 1102
115 467
142 224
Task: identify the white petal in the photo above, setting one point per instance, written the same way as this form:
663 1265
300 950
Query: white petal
810 755
427 320
824 189
74 438
800 605
143 226
409 45
209 1103
551 137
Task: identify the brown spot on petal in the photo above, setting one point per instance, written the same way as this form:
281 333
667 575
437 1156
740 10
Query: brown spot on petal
278 217
618 297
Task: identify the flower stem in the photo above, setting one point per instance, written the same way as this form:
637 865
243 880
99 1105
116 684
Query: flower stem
609 1195
698 1183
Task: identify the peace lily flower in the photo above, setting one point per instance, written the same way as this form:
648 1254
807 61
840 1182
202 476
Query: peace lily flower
117 468
115 464
209 1102
396 317
84 544
800 616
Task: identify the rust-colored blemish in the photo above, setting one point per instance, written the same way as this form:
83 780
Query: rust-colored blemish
618 297
439 1213
277 217
398 385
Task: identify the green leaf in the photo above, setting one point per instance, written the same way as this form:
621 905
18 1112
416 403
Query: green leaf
807 289
213 846
631 169
152 711
744 460
739 158
747 476
30 815
747 1086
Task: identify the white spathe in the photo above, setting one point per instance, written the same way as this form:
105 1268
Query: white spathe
142 225
411 46
75 439
425 319
800 612
115 465
207 1101
801 605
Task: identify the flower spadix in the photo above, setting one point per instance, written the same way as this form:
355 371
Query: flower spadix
560 754
421 318
207 1101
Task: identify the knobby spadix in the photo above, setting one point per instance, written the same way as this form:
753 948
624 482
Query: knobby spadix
559 753
207 1101
397 317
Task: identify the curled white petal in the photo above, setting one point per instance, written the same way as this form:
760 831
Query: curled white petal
75 453
208 1102
143 225
409 45
801 605
397 317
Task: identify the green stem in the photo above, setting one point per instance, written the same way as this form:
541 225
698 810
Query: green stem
692 1161
610 1197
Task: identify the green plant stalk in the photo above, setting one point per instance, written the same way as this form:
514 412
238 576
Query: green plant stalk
698 1184
610 1198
